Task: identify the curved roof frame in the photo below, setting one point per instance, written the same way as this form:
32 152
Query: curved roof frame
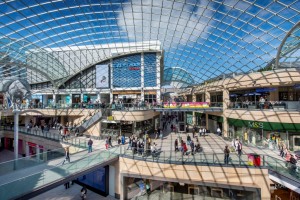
207 37
291 46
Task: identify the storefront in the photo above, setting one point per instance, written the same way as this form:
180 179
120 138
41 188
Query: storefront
97 181
214 122
265 134
63 101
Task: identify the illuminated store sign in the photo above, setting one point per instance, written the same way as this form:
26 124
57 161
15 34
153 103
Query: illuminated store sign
131 66
256 124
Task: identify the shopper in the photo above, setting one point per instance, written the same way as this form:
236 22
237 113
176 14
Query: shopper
176 145
67 153
226 155
90 144
83 192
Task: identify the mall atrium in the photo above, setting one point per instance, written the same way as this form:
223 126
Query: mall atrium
150 99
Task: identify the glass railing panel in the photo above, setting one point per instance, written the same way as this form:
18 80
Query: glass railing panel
30 161
33 181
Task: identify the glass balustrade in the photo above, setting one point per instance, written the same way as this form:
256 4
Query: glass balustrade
44 177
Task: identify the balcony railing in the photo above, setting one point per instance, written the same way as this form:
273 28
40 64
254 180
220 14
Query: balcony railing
269 105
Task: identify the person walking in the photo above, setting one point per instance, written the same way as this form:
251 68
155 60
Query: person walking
83 192
226 155
67 185
90 144
110 142
67 158
106 143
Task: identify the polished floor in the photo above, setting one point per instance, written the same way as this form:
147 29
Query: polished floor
73 193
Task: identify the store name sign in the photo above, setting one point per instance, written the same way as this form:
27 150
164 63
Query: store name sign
255 125
131 66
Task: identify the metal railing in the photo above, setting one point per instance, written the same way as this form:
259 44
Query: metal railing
66 139
217 159
254 105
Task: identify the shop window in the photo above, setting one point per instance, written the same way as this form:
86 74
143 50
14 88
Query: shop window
283 96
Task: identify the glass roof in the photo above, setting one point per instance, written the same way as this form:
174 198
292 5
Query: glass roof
205 38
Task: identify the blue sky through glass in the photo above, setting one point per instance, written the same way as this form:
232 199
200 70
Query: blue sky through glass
205 38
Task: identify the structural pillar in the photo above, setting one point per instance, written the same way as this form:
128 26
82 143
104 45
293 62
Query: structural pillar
16 132
225 106
37 152
54 99
27 149
194 113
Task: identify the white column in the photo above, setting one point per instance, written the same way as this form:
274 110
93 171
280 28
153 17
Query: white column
37 152
54 99
81 97
111 98
27 149
142 77
112 174
16 133
71 100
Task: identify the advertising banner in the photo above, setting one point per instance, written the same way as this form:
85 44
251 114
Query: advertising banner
186 105
102 76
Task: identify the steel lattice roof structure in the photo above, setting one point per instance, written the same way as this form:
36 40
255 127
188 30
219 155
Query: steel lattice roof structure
205 39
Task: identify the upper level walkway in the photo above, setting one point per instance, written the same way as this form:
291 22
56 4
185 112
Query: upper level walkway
86 109
37 178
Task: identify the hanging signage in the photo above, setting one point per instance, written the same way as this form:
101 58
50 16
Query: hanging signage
102 76
110 118
256 125
265 89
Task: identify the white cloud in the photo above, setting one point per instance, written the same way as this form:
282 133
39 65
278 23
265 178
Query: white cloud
164 20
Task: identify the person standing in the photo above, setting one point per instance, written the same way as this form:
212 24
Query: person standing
90 144
219 132
176 145
200 132
226 155
192 145
110 142
239 148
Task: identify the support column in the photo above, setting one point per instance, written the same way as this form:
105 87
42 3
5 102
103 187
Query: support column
225 106
71 102
206 121
54 99
45 155
207 96
194 113
81 97
37 152
27 149
16 133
